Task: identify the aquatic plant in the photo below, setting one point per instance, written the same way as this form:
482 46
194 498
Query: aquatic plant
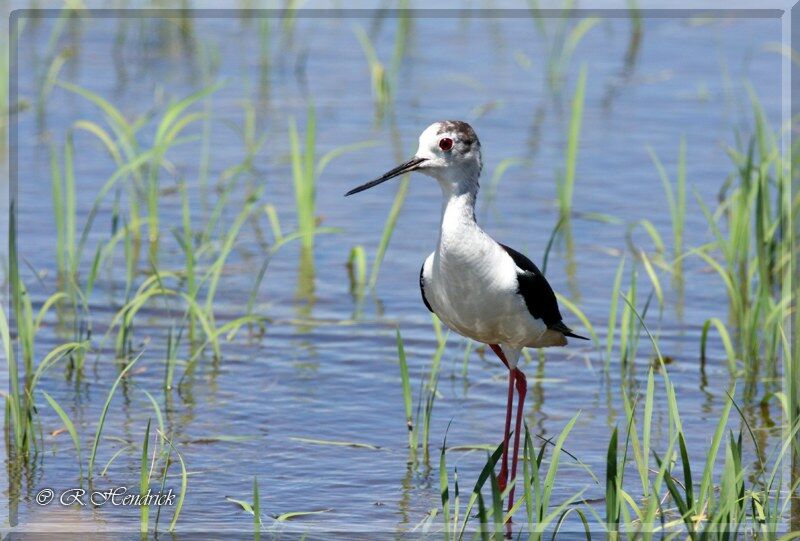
535 484
651 487
20 412
566 179
303 179
751 250
132 159
561 40
144 481
384 80
306 169
497 175
670 498
420 436
676 200
388 230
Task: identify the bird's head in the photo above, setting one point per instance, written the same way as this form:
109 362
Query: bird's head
448 151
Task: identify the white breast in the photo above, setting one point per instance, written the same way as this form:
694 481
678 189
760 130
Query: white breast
471 284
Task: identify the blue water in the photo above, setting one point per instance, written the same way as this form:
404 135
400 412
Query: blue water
327 368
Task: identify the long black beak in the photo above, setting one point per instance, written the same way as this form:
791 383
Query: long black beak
407 167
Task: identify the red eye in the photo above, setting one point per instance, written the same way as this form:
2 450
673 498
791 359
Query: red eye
445 143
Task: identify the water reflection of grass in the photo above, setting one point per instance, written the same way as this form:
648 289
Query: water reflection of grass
750 251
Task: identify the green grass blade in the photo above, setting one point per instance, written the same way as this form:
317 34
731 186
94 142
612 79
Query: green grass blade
184 485
573 137
388 229
104 412
256 508
444 487
612 482
487 470
144 482
406 381
70 428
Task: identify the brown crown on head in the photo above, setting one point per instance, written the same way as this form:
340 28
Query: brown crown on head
465 132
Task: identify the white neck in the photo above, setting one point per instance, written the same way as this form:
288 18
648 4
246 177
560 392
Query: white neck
458 209
456 181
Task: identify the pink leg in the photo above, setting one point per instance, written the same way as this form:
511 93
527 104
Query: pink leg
503 477
500 354
522 390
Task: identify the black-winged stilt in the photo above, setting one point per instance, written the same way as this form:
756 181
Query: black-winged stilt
478 287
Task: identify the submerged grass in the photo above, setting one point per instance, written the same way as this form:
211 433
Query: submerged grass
561 41
385 79
140 165
419 424
388 230
407 397
103 413
566 180
132 192
303 178
144 482
729 498
751 235
70 428
676 200
651 486
306 169
536 487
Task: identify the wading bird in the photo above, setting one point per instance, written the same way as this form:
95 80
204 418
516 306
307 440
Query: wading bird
478 287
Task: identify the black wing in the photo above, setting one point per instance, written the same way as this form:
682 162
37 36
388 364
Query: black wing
422 289
538 295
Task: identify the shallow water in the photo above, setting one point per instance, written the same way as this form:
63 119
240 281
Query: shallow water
326 367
